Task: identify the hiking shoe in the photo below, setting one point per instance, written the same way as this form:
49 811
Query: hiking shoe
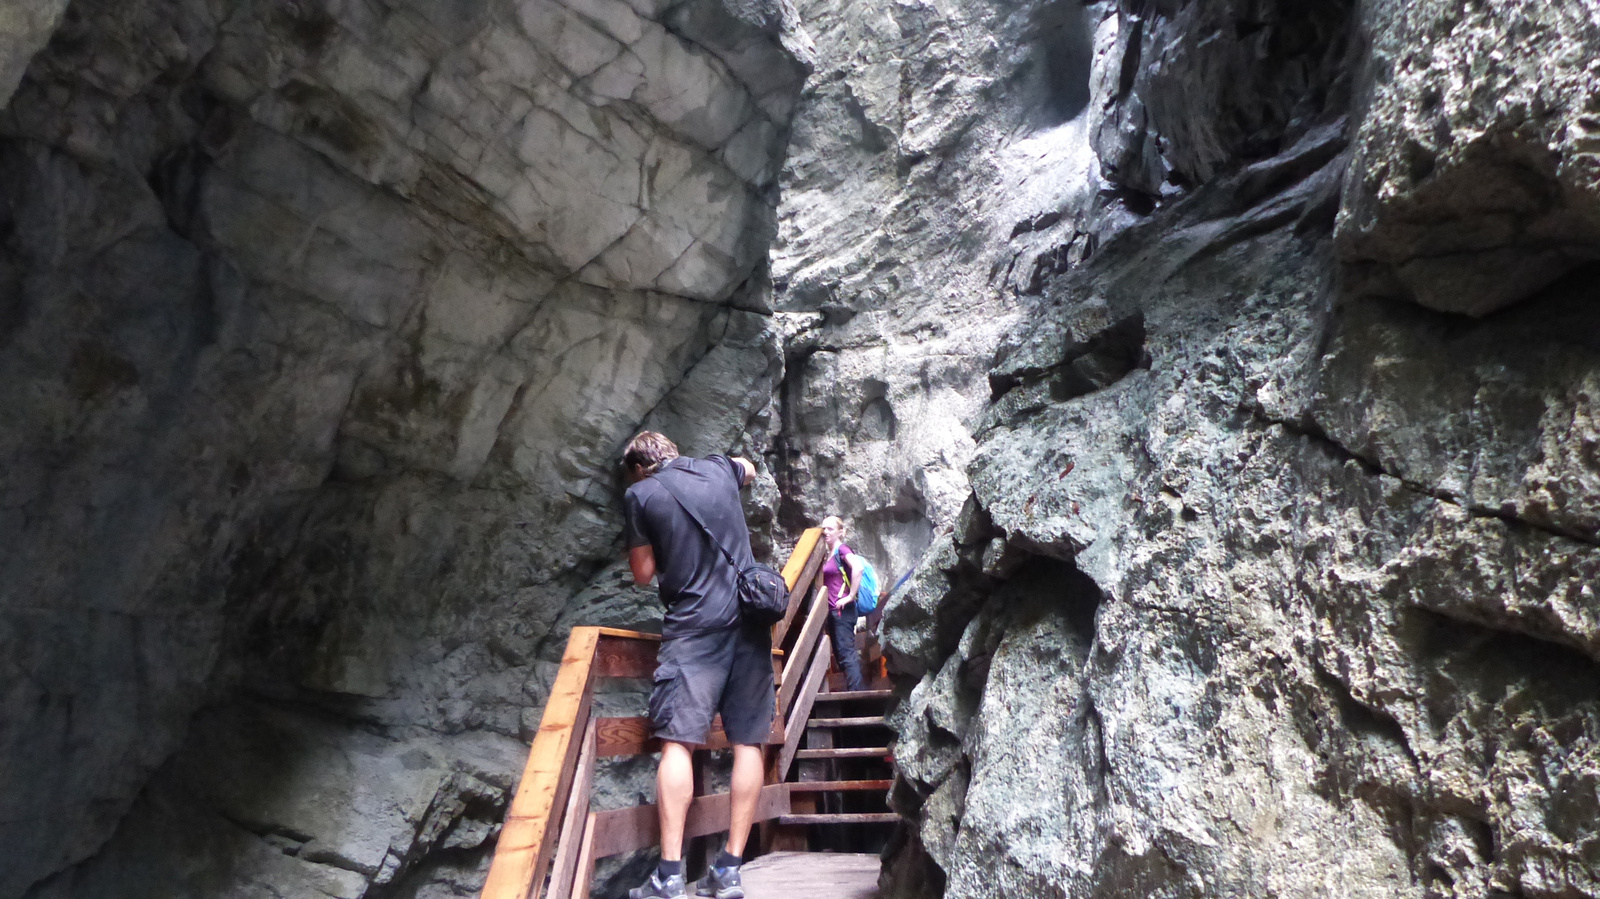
723 883
656 888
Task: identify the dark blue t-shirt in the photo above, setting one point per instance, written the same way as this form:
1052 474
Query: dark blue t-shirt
698 585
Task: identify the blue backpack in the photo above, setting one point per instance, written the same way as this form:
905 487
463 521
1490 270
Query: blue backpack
867 593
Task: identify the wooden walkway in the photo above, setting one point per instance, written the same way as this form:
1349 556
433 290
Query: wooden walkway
812 875
551 837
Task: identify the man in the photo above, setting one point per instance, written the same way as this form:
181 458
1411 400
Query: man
710 660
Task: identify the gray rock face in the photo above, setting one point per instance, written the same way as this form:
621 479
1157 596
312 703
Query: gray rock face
320 327
25 26
1245 559
1475 168
1270 581
938 155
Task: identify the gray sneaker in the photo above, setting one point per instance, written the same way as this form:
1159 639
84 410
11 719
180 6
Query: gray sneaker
656 888
723 883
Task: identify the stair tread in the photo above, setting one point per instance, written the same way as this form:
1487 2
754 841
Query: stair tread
848 752
830 786
848 695
841 818
863 721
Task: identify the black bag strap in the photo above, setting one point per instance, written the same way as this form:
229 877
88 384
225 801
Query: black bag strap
667 486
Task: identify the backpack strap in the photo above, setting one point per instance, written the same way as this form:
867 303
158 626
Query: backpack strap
844 570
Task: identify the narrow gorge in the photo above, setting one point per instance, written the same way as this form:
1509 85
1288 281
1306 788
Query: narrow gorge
1218 380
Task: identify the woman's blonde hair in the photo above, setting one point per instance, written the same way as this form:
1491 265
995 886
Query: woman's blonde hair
836 520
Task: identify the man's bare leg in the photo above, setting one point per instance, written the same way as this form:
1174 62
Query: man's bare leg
674 791
748 774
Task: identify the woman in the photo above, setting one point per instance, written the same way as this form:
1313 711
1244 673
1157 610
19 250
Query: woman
841 576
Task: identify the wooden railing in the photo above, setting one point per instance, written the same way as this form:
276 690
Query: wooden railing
549 828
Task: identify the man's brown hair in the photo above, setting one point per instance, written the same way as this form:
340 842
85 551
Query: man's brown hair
649 451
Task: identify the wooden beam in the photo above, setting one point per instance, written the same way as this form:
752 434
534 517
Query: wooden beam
800 574
630 653
837 786
793 667
572 821
865 721
637 827
584 875
848 752
849 696
842 818
802 707
627 634
526 839
626 653
803 550
628 736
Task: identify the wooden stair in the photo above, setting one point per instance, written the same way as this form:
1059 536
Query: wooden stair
848 752
841 818
828 762
839 795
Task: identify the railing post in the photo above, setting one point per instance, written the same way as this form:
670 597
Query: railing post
549 825
526 840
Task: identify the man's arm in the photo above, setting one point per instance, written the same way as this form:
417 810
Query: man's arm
642 559
749 469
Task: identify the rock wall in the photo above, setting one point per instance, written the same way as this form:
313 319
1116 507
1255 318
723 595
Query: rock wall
1277 572
937 155
1222 369
321 324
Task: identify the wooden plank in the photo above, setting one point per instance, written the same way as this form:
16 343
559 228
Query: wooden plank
866 721
831 786
572 827
854 752
627 634
802 707
842 818
794 669
627 654
624 736
805 575
638 827
796 602
631 736
816 738
526 838
851 695
801 555
812 875
584 876
630 653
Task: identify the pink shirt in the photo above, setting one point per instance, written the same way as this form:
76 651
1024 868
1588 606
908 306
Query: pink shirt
833 577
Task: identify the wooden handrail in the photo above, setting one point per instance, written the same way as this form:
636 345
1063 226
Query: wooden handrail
549 828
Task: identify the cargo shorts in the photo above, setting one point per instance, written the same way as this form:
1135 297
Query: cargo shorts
727 671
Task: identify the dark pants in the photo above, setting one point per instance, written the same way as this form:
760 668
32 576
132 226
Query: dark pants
842 629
